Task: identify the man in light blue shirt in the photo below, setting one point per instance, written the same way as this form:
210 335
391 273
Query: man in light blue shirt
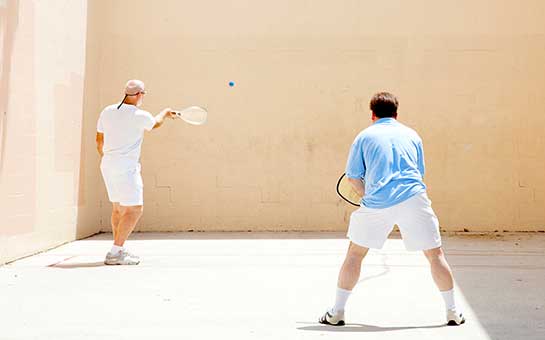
393 176
388 156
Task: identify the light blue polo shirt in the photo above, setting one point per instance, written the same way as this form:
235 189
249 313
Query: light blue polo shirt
390 157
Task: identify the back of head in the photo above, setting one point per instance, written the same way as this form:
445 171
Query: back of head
134 87
384 105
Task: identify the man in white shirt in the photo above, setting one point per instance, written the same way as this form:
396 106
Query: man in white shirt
120 132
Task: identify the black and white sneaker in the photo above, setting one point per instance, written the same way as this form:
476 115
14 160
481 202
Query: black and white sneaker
454 318
333 319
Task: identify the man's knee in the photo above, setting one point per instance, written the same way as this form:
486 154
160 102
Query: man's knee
356 252
134 211
116 209
433 254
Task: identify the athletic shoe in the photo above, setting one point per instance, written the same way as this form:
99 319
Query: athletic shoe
333 319
132 255
455 318
122 257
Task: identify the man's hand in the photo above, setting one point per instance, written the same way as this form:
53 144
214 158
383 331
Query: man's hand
169 113
160 118
357 184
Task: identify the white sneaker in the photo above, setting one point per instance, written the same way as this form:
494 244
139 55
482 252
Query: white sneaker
131 254
122 257
454 318
333 319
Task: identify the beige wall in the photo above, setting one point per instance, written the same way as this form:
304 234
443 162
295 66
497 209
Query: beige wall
42 58
469 75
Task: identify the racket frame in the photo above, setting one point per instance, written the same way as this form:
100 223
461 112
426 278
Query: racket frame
341 195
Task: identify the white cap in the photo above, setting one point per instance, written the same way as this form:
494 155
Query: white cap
134 87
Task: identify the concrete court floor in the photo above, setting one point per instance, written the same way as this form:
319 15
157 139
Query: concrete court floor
270 286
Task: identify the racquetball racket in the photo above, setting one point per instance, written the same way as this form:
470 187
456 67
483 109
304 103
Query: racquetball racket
347 192
194 115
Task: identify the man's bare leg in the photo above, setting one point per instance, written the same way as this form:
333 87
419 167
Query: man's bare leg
351 268
440 270
128 219
348 278
116 216
442 275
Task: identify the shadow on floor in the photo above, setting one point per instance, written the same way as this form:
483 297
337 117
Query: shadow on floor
78 265
359 327
228 235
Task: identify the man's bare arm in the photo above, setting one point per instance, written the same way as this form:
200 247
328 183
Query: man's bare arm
160 118
357 184
100 143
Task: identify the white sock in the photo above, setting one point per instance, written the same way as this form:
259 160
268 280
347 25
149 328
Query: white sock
340 299
115 249
448 297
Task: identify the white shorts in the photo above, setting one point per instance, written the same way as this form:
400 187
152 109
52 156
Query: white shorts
125 188
415 218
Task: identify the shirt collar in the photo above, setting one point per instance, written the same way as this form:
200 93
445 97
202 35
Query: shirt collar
387 120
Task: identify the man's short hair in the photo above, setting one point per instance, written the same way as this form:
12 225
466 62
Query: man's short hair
384 104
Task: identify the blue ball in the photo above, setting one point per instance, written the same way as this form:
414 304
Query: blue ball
231 83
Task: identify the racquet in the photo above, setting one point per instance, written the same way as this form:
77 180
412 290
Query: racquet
194 115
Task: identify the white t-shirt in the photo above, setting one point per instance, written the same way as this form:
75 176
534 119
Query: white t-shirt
123 131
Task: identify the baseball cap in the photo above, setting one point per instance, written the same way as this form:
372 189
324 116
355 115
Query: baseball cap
132 88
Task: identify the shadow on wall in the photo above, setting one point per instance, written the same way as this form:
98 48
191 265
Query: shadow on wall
9 14
89 219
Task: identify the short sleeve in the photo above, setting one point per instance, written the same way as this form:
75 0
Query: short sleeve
147 120
355 166
100 127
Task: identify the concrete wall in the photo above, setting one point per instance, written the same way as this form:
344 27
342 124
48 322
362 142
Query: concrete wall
42 59
469 75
